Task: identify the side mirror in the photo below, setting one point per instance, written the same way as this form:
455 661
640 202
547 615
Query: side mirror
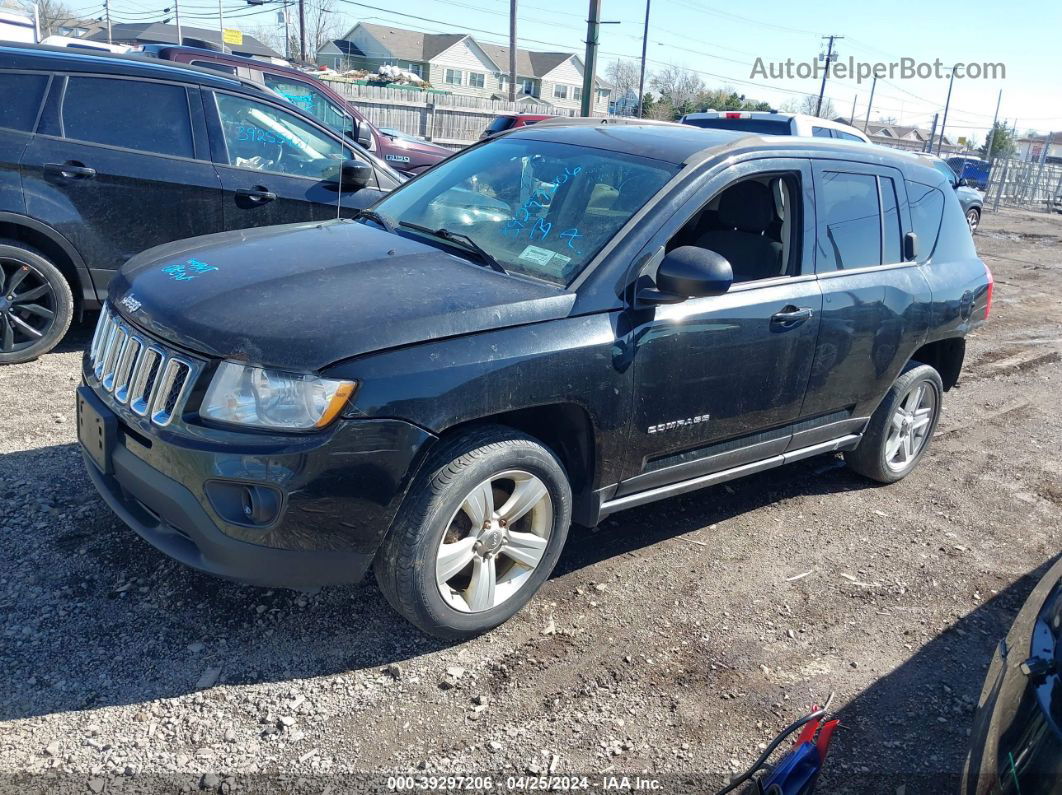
910 247
689 272
962 183
353 175
363 136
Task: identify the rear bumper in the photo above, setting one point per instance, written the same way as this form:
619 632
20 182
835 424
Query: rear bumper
336 494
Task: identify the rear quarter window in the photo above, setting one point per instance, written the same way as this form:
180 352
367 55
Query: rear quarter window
927 207
500 124
22 95
134 114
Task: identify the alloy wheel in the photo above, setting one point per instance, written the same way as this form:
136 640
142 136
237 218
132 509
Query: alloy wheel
27 306
909 427
973 218
494 541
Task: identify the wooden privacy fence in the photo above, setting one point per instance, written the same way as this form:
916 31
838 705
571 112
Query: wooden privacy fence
450 120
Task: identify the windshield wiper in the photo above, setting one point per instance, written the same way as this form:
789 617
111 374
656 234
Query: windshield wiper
459 237
372 215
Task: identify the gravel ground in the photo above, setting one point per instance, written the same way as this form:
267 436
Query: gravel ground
673 641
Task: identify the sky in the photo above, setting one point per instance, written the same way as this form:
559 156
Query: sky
722 42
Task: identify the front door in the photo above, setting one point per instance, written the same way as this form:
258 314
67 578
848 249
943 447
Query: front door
719 380
276 167
115 180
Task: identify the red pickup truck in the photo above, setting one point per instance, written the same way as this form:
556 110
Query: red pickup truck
314 97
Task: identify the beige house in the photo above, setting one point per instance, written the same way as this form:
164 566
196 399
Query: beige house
460 64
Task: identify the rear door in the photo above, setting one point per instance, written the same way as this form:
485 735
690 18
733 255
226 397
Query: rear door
120 165
874 312
23 93
276 167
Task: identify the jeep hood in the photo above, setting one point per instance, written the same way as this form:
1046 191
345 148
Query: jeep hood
304 296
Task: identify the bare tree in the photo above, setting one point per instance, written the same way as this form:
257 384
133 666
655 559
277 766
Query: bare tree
323 24
623 73
677 84
50 14
811 101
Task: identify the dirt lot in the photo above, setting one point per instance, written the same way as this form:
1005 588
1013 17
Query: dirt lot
680 643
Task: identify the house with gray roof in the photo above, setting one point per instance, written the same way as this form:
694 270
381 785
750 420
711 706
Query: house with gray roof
162 33
461 64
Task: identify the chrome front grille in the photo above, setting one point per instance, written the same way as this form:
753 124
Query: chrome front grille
153 380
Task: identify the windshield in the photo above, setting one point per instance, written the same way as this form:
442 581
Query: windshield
540 209
765 126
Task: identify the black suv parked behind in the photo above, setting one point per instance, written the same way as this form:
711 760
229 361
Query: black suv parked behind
562 322
103 156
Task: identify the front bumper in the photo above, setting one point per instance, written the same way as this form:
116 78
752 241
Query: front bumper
338 494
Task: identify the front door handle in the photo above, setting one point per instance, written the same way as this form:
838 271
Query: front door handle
71 169
258 194
791 316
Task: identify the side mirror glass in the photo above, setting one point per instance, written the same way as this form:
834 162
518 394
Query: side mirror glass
689 272
363 135
962 183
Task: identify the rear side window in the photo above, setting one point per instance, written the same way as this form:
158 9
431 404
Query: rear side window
847 136
22 99
500 124
927 205
215 66
763 126
821 132
850 222
135 114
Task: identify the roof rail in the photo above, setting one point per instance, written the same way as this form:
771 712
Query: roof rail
601 121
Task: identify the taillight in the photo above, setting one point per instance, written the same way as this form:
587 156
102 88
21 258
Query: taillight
988 294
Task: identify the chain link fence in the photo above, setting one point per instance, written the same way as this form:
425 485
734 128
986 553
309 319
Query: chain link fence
1025 184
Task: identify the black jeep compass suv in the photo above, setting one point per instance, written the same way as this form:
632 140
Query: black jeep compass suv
562 322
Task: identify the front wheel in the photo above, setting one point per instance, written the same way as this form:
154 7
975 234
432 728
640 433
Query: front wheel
478 534
901 428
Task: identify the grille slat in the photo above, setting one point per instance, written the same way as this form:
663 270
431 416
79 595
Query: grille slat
152 380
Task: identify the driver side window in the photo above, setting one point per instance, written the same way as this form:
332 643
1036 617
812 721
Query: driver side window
263 138
754 223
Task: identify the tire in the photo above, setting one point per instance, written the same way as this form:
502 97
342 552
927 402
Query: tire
413 570
973 219
36 315
876 457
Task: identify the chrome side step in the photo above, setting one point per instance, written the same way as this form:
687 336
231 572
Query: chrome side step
672 489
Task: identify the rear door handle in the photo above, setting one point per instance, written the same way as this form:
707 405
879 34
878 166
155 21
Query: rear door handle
258 194
791 316
71 169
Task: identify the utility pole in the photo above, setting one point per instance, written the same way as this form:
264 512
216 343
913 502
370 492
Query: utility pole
512 50
641 73
221 24
932 133
107 13
593 30
944 121
177 15
851 118
302 31
826 72
873 85
992 132
287 38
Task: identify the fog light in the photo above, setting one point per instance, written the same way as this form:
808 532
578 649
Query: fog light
247 504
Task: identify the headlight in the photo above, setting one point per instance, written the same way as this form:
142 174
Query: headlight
247 395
